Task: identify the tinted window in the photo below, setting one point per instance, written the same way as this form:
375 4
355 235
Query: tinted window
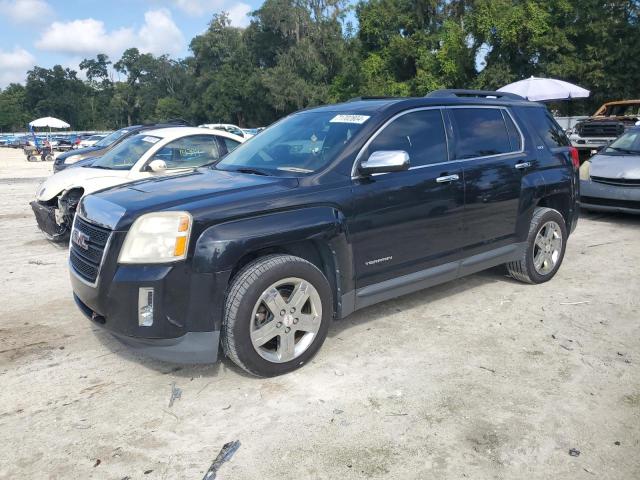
420 134
541 121
514 136
480 132
189 152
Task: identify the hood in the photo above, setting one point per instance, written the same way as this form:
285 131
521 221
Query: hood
615 166
83 152
207 192
90 179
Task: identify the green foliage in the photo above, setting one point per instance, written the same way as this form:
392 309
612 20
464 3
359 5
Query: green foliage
300 53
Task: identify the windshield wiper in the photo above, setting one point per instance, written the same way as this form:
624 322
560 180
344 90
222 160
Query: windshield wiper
97 166
251 171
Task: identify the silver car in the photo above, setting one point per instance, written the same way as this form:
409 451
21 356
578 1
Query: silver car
610 180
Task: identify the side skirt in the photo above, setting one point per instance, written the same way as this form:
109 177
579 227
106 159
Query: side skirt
413 282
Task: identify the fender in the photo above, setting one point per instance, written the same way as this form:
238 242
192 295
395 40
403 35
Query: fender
532 190
221 246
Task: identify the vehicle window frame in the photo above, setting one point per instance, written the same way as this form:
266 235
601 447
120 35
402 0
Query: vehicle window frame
449 134
504 110
144 167
359 157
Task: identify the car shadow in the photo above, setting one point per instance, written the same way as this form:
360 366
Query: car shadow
337 328
421 297
616 218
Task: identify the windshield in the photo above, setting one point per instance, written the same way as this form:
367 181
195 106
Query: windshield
302 143
112 137
623 110
628 143
127 153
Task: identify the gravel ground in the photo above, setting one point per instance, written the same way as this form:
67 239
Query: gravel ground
482 378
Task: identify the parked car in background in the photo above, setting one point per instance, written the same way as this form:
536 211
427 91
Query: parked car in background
608 123
18 142
147 154
326 212
90 141
85 156
226 127
610 180
252 131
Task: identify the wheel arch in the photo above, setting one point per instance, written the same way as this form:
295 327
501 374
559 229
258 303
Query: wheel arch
315 234
560 202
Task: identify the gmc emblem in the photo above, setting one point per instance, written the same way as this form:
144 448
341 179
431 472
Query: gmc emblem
80 239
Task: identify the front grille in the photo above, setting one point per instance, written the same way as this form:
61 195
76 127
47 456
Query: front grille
601 129
86 262
618 182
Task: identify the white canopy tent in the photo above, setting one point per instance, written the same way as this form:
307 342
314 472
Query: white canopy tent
541 89
49 122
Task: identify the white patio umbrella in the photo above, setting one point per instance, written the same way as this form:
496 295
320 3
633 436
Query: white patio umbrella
49 122
540 89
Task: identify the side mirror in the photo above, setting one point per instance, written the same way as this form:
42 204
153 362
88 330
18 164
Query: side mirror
157 166
384 161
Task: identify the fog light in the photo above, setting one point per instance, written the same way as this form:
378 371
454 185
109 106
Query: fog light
145 306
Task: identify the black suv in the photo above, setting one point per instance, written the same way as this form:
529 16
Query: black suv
327 211
87 155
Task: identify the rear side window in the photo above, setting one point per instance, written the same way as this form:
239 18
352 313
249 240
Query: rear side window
480 132
229 145
544 124
420 134
514 136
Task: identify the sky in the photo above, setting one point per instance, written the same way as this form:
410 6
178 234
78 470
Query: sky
50 32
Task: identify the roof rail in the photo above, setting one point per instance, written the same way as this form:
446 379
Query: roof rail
357 99
171 121
452 92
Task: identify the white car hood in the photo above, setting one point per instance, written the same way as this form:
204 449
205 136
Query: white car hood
87 178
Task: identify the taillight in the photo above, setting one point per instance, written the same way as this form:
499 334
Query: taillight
575 157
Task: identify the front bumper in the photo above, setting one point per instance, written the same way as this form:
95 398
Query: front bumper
192 347
46 218
187 309
609 198
589 143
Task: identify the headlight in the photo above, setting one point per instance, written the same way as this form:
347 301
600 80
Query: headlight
160 237
72 159
585 170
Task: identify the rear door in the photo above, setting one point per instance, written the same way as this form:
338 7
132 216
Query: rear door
489 146
408 221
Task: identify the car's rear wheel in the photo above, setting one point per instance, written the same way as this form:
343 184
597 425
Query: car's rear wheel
277 315
544 250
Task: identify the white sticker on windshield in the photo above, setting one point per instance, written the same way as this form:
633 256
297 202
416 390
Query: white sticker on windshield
150 139
349 119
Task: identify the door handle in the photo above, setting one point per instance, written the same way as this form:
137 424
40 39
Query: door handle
448 178
523 165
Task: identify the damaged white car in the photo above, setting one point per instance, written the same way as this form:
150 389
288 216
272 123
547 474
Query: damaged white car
151 153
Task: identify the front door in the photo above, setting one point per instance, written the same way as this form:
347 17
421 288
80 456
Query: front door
405 222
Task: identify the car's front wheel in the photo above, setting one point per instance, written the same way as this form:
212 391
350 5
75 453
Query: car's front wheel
277 314
544 248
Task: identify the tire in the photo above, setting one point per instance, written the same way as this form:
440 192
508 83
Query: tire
32 158
246 313
529 269
48 158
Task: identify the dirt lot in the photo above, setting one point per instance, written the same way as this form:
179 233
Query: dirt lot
482 378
